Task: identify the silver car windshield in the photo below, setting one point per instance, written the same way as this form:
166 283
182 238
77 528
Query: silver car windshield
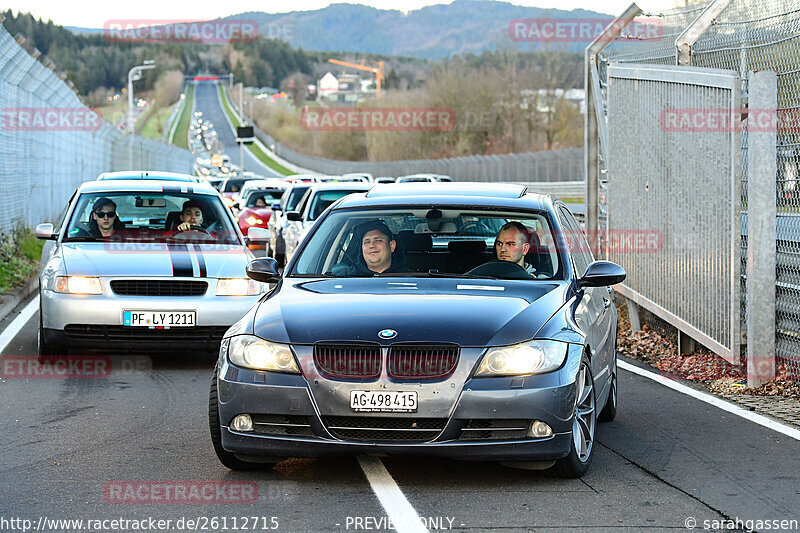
150 217
432 242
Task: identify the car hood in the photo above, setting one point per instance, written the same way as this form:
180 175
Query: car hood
155 259
469 312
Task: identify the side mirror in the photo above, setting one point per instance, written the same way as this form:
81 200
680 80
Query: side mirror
294 215
602 274
276 207
45 231
235 205
257 234
264 269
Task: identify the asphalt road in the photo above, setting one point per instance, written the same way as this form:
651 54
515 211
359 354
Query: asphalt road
668 458
206 99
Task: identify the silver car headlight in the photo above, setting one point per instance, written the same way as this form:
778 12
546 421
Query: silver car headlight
78 285
253 352
238 287
533 357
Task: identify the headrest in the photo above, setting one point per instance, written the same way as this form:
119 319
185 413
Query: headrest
415 242
466 247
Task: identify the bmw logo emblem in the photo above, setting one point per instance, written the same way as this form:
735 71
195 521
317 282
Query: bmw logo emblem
387 334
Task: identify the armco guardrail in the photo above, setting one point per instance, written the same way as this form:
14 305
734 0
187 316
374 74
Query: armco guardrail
50 142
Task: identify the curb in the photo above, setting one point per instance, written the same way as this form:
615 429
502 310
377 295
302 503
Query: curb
19 294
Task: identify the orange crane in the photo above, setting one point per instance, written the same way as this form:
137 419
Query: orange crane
378 71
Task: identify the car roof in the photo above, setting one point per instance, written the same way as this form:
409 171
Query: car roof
449 193
432 188
147 185
145 175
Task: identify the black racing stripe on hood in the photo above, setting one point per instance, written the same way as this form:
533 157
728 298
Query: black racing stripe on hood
181 261
201 261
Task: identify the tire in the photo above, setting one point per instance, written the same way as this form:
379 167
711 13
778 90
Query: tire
225 457
609 411
584 425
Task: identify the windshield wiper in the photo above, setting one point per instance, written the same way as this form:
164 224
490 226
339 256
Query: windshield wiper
430 274
83 239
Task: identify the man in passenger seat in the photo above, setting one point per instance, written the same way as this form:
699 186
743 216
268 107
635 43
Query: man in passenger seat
512 243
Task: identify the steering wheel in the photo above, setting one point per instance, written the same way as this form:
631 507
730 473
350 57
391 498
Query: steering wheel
479 228
198 228
500 269
196 232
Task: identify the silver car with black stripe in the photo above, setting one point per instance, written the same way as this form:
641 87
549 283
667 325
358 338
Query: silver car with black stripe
123 271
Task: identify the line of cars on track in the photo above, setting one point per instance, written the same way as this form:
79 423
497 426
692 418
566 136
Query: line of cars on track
451 352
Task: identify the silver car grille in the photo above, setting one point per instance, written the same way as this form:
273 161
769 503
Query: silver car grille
158 287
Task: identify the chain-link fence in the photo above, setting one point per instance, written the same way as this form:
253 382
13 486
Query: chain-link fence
746 36
50 142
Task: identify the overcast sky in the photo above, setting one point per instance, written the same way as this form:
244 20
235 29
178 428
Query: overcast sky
93 13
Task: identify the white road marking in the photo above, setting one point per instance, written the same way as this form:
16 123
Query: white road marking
713 400
403 516
18 323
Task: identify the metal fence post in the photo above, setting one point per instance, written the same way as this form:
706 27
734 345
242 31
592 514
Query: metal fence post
594 119
761 224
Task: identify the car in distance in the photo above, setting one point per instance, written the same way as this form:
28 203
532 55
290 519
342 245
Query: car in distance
278 221
449 353
147 285
318 197
255 210
415 178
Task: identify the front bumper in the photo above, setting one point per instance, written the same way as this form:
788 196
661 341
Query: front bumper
262 394
95 321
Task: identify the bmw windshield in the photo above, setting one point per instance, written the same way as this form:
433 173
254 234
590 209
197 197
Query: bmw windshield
431 242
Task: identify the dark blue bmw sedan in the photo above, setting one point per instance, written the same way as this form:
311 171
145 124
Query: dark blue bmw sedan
460 320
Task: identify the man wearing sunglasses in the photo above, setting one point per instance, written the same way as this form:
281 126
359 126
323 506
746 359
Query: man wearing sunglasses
104 218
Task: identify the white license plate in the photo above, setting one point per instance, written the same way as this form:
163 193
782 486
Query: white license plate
373 401
159 319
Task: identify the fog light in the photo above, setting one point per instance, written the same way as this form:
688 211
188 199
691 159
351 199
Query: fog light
539 430
242 423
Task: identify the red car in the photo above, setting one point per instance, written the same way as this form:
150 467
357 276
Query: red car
256 210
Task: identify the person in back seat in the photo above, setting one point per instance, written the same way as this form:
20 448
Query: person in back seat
512 243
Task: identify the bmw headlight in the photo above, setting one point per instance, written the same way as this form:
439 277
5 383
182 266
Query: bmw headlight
239 287
533 357
253 352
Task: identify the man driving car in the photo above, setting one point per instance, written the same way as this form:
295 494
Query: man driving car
377 246
191 215
512 243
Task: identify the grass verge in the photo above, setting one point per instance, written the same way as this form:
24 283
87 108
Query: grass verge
19 259
182 132
154 127
254 149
